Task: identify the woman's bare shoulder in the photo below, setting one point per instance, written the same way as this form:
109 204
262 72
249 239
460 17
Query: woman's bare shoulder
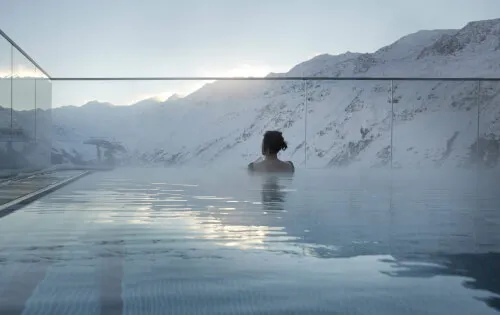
254 166
288 166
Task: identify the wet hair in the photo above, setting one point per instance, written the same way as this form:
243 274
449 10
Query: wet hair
273 142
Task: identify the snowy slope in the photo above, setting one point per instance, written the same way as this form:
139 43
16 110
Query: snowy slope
435 123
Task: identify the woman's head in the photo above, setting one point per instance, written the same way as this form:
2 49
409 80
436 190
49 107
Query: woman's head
273 142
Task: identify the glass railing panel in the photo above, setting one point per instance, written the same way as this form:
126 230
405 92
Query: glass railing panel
435 124
5 104
209 123
348 124
43 118
23 112
23 98
280 105
488 144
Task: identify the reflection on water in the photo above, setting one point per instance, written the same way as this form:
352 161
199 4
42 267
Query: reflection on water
479 270
273 194
166 241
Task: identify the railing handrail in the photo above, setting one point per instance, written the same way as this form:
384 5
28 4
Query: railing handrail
267 78
283 78
16 46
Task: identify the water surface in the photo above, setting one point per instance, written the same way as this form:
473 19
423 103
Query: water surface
166 241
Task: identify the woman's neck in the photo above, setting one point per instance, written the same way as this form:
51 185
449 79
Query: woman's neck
271 157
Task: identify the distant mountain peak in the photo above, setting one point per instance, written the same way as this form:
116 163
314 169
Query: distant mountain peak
174 97
411 45
323 64
475 36
96 103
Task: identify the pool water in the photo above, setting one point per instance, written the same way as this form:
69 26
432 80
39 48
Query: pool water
167 241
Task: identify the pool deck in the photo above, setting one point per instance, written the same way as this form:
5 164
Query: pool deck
18 191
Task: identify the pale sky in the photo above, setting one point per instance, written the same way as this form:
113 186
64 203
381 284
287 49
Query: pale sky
92 38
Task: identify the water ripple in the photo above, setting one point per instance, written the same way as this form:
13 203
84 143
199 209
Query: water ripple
162 241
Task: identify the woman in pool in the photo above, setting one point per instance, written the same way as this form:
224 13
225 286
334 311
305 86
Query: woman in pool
272 144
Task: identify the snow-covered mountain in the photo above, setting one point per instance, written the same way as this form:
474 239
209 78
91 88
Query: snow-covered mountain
348 123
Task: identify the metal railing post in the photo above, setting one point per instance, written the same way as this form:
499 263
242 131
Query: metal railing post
305 123
478 105
392 120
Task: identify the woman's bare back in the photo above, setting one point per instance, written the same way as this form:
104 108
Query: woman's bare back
272 166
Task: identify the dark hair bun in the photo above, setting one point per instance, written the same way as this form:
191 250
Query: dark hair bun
284 146
274 141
